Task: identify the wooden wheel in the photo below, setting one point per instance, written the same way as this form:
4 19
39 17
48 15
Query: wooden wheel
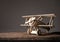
39 32
29 31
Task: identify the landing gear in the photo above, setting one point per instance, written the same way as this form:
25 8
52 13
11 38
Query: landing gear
34 31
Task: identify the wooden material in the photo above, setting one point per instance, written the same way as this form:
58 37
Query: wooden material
51 16
16 36
48 15
38 25
39 22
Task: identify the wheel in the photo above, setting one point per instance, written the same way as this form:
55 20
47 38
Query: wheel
39 32
29 31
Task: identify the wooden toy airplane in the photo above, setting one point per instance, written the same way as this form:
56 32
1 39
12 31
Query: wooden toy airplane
34 22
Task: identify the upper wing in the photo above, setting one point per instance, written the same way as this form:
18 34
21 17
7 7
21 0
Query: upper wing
48 15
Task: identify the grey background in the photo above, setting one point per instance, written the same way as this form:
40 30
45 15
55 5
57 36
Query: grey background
12 10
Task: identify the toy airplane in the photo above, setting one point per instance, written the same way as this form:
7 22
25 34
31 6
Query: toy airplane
34 22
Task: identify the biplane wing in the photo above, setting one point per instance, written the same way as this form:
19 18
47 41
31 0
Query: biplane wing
38 25
47 15
44 15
